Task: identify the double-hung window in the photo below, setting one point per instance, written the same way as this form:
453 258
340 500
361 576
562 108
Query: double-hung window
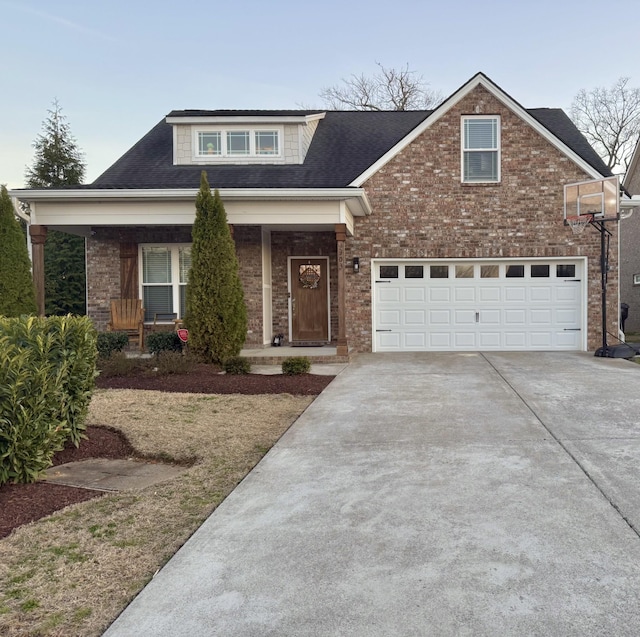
237 142
480 149
164 276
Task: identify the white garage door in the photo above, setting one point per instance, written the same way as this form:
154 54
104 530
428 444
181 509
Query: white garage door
477 306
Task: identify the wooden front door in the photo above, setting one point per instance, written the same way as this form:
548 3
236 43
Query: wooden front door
309 300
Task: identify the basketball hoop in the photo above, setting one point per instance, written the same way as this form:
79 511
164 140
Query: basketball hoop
578 223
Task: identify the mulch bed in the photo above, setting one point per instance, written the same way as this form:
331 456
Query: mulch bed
23 503
207 379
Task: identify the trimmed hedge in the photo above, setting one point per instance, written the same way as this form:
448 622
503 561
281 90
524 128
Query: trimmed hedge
295 365
163 342
110 342
47 375
237 365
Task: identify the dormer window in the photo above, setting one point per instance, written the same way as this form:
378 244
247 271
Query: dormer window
209 143
237 142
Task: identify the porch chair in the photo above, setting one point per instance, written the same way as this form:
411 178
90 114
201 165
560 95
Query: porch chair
127 315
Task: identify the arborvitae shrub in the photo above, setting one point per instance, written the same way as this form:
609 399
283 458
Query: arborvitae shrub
216 315
17 294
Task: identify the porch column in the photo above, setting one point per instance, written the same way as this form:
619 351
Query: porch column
341 235
38 236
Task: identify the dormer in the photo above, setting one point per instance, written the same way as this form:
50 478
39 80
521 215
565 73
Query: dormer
242 137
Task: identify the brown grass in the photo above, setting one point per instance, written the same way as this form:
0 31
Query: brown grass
73 572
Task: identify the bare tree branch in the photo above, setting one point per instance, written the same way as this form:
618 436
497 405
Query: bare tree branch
610 120
387 90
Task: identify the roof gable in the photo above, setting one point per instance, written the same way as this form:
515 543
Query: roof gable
552 124
632 178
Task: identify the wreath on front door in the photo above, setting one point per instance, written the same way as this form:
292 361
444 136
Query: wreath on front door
309 276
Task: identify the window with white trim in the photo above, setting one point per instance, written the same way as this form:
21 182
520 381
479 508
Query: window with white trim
237 142
480 149
164 275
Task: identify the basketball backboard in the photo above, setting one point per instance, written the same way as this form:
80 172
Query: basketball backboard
597 197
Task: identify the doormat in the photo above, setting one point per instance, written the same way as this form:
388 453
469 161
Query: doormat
308 344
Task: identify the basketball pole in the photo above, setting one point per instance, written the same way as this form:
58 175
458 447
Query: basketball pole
603 351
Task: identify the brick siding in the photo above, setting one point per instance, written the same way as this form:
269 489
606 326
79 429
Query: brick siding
422 210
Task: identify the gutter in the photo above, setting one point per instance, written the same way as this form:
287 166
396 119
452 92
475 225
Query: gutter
189 194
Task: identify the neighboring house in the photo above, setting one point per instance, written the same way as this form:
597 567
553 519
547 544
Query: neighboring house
375 231
630 249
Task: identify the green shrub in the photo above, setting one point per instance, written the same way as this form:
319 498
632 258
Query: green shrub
47 375
163 342
119 364
295 365
166 363
110 342
17 294
237 365
216 313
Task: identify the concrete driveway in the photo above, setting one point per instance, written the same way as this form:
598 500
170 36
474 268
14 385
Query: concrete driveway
428 494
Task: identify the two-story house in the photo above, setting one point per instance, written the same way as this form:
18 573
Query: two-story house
438 230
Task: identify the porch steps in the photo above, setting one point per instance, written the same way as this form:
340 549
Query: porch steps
275 355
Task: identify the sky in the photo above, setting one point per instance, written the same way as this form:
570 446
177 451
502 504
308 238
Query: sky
117 68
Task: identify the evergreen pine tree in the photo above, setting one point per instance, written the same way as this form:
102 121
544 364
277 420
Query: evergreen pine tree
216 314
58 162
17 294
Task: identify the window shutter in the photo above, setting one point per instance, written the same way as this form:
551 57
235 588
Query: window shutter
129 271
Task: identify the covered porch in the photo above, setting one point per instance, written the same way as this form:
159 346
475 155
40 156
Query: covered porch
290 246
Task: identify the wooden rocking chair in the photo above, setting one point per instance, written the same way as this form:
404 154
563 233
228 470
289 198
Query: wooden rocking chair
127 315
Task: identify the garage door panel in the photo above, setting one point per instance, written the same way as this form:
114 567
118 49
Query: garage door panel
415 341
513 293
492 312
490 340
465 340
464 294
415 295
568 339
567 316
515 340
540 294
439 340
570 292
439 295
542 340
515 317
541 316
415 317
490 317
440 317
464 317
389 318
388 294
489 294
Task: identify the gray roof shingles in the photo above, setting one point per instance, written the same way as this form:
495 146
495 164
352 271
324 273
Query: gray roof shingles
345 144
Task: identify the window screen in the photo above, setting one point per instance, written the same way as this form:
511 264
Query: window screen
480 149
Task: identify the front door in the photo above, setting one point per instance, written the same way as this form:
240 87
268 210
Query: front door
309 300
